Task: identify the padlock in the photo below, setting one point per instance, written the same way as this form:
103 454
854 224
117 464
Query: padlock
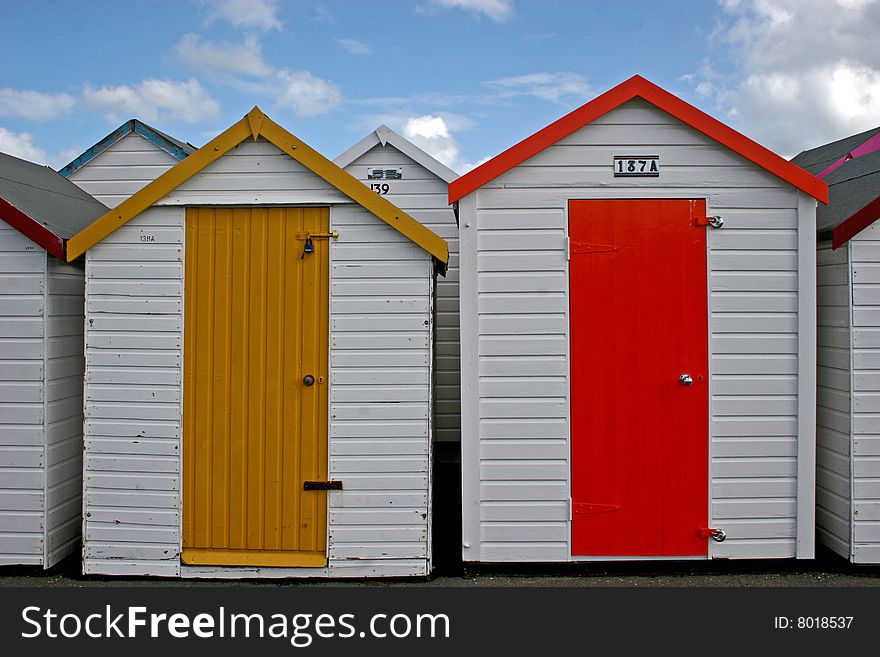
308 248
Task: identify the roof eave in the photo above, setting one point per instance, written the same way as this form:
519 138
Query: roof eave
32 229
855 223
256 124
402 144
638 86
132 126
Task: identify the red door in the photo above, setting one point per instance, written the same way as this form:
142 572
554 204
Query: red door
639 435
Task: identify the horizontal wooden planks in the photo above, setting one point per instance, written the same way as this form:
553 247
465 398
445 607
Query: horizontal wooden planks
519 305
864 252
122 169
423 195
380 402
24 323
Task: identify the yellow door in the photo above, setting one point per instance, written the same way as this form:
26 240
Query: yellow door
256 324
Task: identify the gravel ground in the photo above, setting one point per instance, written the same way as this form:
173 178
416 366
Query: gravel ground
826 571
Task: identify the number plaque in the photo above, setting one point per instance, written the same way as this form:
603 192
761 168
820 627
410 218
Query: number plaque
630 166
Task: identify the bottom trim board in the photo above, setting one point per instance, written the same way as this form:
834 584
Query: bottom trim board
289 558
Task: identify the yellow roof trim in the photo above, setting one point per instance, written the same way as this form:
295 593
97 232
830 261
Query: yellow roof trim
256 124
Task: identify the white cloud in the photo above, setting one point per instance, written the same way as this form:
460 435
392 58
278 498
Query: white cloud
153 100
307 94
21 144
244 57
355 47
562 87
34 105
259 14
498 10
434 135
468 166
808 70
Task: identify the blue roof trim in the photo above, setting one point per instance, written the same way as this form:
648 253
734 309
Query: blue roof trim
176 150
160 140
91 153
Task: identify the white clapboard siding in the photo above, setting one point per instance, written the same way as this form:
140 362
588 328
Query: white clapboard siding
64 408
41 366
864 457
122 169
423 194
22 392
380 387
514 335
833 399
147 352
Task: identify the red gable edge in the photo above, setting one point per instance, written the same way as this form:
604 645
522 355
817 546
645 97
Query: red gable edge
32 229
639 86
855 224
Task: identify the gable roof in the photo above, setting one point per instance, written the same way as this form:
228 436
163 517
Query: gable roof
816 160
167 143
256 124
385 135
851 167
638 86
42 205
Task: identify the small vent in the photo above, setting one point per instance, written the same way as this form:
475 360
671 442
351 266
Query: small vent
384 173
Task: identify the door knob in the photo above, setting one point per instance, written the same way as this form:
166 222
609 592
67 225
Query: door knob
308 380
685 380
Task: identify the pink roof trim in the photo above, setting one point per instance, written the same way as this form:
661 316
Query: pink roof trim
869 146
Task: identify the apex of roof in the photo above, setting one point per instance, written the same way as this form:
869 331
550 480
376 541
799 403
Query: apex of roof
167 143
637 86
384 135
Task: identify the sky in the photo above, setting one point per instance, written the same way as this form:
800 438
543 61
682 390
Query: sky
463 79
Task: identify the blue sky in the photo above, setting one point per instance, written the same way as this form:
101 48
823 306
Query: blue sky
464 79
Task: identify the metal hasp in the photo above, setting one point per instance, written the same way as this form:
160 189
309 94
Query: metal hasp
317 236
322 485
717 535
715 221
686 380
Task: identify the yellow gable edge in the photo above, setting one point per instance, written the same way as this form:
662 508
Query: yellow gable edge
254 124
356 190
160 187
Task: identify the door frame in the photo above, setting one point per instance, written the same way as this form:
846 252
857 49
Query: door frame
234 570
636 194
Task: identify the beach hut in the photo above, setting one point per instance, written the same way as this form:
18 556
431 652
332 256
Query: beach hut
124 161
848 404
404 174
41 363
258 370
637 340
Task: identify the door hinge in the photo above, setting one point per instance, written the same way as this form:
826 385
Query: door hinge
714 221
322 485
586 248
587 507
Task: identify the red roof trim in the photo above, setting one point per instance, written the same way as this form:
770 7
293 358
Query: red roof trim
855 224
33 230
638 86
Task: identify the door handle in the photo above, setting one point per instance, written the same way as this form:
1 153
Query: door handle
308 380
685 380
